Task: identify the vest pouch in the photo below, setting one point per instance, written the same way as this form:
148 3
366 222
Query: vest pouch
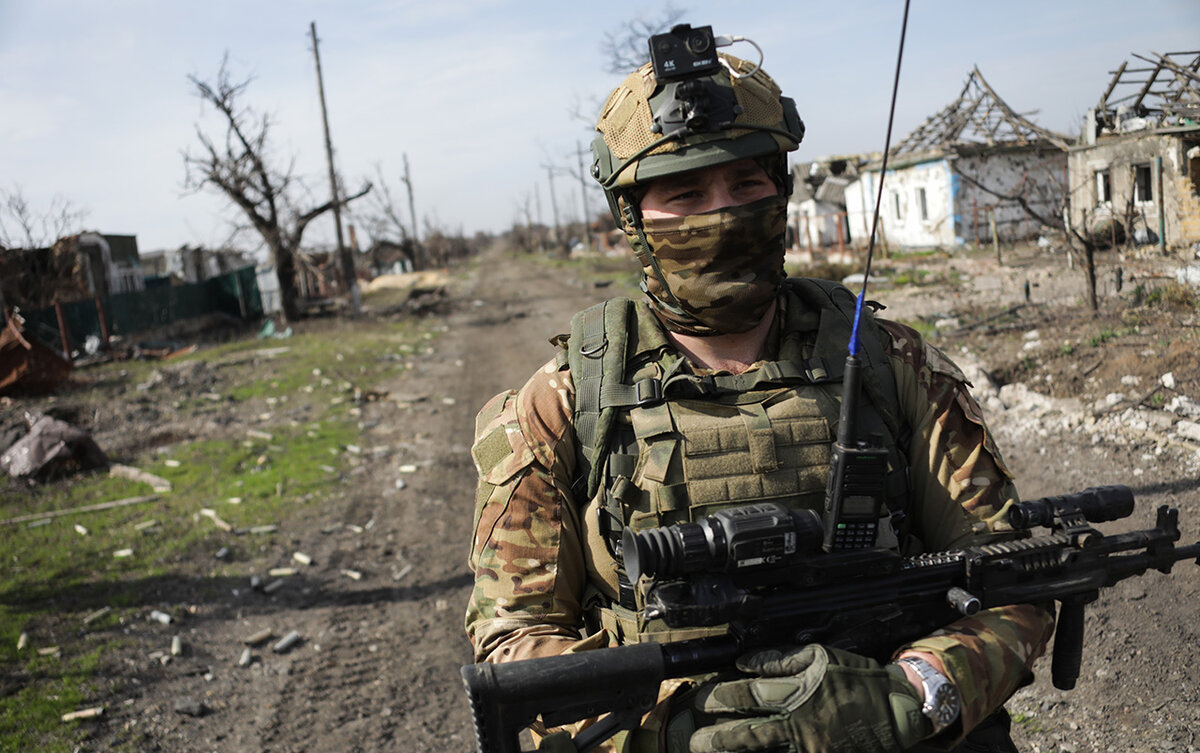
736 449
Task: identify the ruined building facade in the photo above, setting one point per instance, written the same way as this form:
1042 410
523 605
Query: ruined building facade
1136 171
973 171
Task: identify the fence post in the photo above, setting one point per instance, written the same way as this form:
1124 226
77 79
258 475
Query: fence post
62 330
241 296
103 324
1162 217
841 237
995 237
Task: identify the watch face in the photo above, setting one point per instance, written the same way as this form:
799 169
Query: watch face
944 705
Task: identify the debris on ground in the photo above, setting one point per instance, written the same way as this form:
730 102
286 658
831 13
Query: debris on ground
165 349
51 446
46 516
269 330
91 713
157 483
189 706
287 642
27 365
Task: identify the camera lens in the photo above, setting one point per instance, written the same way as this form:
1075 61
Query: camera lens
699 43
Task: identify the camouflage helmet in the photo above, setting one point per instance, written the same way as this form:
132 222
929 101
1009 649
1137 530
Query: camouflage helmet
650 128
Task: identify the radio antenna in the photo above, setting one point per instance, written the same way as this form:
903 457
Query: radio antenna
887 145
857 488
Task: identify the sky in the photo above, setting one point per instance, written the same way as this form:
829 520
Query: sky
485 98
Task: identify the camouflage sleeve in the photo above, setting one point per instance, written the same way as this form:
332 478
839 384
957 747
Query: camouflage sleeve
525 550
961 489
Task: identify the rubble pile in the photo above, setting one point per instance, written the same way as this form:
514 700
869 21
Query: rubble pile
1015 410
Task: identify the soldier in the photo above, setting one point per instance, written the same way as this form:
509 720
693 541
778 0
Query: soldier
720 388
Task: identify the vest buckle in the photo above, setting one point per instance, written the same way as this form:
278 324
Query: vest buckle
647 391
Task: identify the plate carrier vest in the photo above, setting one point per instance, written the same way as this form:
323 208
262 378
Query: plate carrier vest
659 445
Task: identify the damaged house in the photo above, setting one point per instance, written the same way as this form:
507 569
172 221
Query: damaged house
1136 171
974 166
190 264
76 267
817 206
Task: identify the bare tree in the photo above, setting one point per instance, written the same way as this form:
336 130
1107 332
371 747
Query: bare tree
1025 198
21 226
238 166
626 48
385 224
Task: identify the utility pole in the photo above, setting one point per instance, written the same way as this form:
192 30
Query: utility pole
587 236
344 254
412 213
558 240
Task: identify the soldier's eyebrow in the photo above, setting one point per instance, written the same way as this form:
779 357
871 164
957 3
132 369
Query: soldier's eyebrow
676 182
747 170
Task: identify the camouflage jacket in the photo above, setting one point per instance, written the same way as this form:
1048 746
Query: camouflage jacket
532 559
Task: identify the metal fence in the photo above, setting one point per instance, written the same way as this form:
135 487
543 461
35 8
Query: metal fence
70 325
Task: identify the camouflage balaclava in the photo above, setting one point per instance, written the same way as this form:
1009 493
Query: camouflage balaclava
716 272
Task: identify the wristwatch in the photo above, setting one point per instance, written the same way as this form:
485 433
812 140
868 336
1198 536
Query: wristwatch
941 704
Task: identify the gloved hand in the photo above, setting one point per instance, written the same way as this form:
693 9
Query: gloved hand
813 699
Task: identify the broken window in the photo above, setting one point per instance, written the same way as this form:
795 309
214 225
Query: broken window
921 203
1142 187
1103 187
896 204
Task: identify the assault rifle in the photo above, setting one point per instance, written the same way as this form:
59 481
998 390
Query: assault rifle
761 570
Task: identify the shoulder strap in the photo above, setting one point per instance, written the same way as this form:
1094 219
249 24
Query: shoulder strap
596 354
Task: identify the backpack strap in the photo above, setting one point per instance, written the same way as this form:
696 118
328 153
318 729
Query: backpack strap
837 305
597 354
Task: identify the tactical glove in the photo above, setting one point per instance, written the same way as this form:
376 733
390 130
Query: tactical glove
813 699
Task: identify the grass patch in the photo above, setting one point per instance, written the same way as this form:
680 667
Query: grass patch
1110 334
618 270
31 712
1174 296
302 406
1027 722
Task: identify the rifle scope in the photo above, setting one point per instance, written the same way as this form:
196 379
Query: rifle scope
732 540
1098 504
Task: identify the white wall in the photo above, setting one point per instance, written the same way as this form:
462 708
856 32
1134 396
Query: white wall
1039 177
955 209
903 186
815 223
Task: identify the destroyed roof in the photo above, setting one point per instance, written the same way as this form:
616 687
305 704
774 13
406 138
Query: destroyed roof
1169 90
978 117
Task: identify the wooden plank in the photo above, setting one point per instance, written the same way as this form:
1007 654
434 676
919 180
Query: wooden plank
74 510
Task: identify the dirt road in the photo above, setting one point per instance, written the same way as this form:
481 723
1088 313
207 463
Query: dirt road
377 666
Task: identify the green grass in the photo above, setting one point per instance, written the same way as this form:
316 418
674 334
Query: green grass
620 270
1027 722
1109 334
32 715
53 575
